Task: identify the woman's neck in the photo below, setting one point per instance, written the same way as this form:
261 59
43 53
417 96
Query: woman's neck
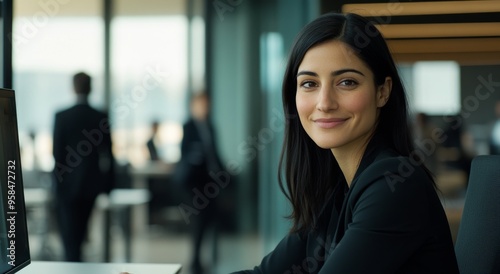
349 157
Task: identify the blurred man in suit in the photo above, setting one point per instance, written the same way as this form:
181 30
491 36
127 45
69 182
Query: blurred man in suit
83 165
199 160
153 152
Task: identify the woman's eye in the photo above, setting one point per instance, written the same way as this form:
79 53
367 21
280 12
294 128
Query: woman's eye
308 84
348 83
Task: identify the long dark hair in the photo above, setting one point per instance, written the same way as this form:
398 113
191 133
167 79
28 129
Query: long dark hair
311 173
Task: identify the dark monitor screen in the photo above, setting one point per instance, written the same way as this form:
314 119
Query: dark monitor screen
14 248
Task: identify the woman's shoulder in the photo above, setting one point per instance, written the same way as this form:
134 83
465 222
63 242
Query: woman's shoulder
393 171
395 187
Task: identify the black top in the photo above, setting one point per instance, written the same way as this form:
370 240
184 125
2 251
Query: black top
153 152
199 157
83 153
389 221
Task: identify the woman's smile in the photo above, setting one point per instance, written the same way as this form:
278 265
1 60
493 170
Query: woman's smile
328 123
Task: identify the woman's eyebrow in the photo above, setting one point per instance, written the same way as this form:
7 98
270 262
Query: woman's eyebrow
306 72
342 71
334 73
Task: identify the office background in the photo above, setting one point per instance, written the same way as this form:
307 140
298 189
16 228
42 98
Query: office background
146 58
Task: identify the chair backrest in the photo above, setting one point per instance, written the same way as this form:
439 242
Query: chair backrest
478 241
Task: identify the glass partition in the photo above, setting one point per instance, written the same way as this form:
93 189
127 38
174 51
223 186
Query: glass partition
52 40
149 77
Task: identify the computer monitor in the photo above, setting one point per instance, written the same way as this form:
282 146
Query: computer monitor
14 248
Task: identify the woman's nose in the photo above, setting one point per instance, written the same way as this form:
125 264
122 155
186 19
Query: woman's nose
327 100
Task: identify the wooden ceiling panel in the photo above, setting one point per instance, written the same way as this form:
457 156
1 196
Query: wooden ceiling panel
460 45
440 30
422 8
465 31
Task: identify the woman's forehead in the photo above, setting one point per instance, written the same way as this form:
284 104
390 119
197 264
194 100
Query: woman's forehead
331 55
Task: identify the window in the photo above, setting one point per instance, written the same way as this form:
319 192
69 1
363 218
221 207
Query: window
51 42
436 87
149 77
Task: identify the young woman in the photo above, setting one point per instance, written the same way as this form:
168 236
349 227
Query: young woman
363 202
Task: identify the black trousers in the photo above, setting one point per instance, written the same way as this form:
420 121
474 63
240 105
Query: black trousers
73 217
206 221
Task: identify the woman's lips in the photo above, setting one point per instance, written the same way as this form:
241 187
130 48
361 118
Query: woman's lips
329 122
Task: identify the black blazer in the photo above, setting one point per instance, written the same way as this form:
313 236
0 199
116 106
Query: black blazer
199 155
82 152
390 221
153 152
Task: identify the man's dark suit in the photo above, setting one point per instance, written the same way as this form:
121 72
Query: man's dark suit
199 153
153 152
83 169
199 158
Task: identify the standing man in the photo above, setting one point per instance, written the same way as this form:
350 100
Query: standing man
83 165
153 152
199 160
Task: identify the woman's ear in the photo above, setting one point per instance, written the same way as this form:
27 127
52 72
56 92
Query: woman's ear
384 91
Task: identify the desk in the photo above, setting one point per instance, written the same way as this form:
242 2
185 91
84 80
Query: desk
36 197
98 268
165 193
119 200
124 200
38 215
151 170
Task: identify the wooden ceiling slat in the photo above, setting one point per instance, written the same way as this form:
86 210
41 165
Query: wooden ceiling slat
465 58
471 43
422 8
487 45
440 30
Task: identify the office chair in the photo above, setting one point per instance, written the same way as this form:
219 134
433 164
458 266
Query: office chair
478 242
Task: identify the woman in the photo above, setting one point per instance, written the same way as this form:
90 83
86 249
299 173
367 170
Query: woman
362 200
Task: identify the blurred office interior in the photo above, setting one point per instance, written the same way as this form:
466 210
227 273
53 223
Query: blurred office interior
147 57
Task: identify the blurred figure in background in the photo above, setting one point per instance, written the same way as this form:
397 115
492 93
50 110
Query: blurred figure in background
425 140
83 165
199 159
163 193
458 147
495 134
153 152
